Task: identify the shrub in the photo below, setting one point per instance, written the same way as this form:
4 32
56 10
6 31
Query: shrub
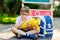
56 13
12 20
5 20
8 20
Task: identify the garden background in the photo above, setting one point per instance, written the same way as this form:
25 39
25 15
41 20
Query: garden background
10 9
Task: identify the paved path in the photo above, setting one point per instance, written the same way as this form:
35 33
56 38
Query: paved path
11 36
8 35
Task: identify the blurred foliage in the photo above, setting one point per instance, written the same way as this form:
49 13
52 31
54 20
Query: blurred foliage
33 6
11 7
56 11
39 6
9 20
5 19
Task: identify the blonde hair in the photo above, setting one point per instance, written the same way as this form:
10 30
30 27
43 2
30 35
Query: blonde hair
25 9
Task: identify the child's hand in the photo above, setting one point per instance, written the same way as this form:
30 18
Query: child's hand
29 26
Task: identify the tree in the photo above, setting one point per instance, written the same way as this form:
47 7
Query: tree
12 10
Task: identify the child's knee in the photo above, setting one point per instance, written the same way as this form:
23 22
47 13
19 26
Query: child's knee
12 29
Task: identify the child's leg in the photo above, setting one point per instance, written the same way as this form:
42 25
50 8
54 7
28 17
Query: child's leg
30 34
17 31
32 31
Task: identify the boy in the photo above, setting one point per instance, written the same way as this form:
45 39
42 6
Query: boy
27 30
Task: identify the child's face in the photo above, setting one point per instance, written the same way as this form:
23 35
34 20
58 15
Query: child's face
24 15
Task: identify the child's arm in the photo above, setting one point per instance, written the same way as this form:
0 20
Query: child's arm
18 26
19 22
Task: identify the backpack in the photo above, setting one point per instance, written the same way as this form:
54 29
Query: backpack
46 26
